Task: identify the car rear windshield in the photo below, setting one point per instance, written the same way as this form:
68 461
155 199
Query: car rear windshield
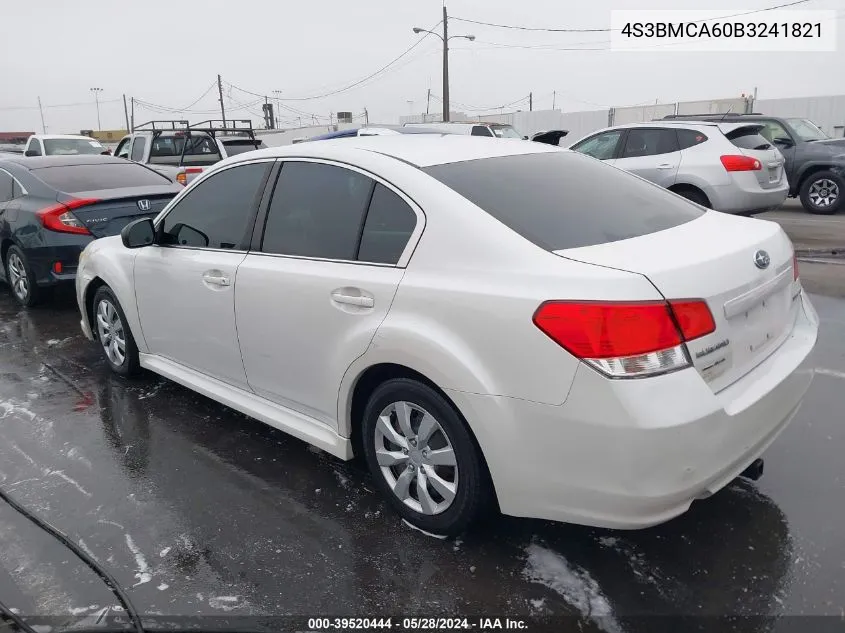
560 200
75 178
748 138
71 146
234 148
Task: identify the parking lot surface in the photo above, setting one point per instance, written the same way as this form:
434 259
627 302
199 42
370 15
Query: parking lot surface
199 510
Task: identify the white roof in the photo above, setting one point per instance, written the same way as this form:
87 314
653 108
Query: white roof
421 150
60 136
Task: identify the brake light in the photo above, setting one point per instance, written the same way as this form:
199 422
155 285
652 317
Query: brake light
60 219
740 163
794 267
626 339
182 177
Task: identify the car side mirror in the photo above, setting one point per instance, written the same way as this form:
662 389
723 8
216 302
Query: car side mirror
783 142
138 233
31 152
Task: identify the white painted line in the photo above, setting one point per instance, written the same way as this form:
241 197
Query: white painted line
830 372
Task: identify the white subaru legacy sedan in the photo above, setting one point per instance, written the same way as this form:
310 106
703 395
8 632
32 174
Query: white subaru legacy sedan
488 325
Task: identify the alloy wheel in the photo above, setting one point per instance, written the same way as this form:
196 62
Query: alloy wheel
824 193
416 458
17 277
111 333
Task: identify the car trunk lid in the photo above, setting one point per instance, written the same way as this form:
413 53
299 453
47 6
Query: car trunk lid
722 260
112 209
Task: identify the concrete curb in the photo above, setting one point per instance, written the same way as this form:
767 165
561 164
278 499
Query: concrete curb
817 253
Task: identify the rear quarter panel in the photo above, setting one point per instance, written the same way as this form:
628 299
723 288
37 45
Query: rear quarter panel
463 313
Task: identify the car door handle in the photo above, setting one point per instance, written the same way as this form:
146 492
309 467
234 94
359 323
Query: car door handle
216 280
353 300
665 166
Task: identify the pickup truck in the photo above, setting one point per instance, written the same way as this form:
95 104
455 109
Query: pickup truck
181 151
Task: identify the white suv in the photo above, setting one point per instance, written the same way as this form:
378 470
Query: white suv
728 167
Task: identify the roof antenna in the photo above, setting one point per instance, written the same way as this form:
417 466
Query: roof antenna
727 113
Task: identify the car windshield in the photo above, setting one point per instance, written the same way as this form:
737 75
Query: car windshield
561 200
71 146
505 131
806 130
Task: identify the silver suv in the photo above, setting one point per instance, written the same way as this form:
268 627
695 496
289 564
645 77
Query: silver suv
728 167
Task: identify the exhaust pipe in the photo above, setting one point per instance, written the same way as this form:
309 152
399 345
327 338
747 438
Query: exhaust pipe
754 471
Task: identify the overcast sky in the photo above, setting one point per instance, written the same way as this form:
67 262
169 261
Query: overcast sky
169 52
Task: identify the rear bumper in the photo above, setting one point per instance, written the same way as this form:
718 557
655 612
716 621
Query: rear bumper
744 195
42 260
635 453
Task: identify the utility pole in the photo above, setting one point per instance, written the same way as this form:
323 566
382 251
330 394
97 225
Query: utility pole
427 104
41 110
445 64
554 98
97 92
530 101
445 38
125 112
220 91
132 119
366 117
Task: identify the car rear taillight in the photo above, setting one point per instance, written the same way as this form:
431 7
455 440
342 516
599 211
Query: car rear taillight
740 163
626 339
182 177
58 217
794 267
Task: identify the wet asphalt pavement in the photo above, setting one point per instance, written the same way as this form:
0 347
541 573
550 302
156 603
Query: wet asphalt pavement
197 509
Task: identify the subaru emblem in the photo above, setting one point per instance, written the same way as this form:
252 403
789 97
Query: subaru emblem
762 260
144 205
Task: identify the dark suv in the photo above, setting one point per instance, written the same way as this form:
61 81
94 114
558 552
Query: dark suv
815 163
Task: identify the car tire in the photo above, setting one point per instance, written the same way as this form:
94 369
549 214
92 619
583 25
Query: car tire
413 469
21 279
822 193
694 195
112 332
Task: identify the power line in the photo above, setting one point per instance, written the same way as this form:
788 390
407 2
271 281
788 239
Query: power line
358 82
61 105
608 30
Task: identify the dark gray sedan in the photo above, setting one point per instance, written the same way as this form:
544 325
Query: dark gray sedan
52 207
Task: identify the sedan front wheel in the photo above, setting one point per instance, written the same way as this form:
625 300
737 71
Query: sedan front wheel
116 341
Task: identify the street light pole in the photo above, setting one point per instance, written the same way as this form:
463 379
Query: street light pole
97 92
445 64
445 37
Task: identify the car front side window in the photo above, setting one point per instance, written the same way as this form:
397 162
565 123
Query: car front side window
601 146
219 211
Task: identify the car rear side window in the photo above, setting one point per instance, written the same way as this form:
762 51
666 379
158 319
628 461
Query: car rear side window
317 211
690 138
748 138
218 212
138 148
389 225
560 200
649 142
7 187
92 177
